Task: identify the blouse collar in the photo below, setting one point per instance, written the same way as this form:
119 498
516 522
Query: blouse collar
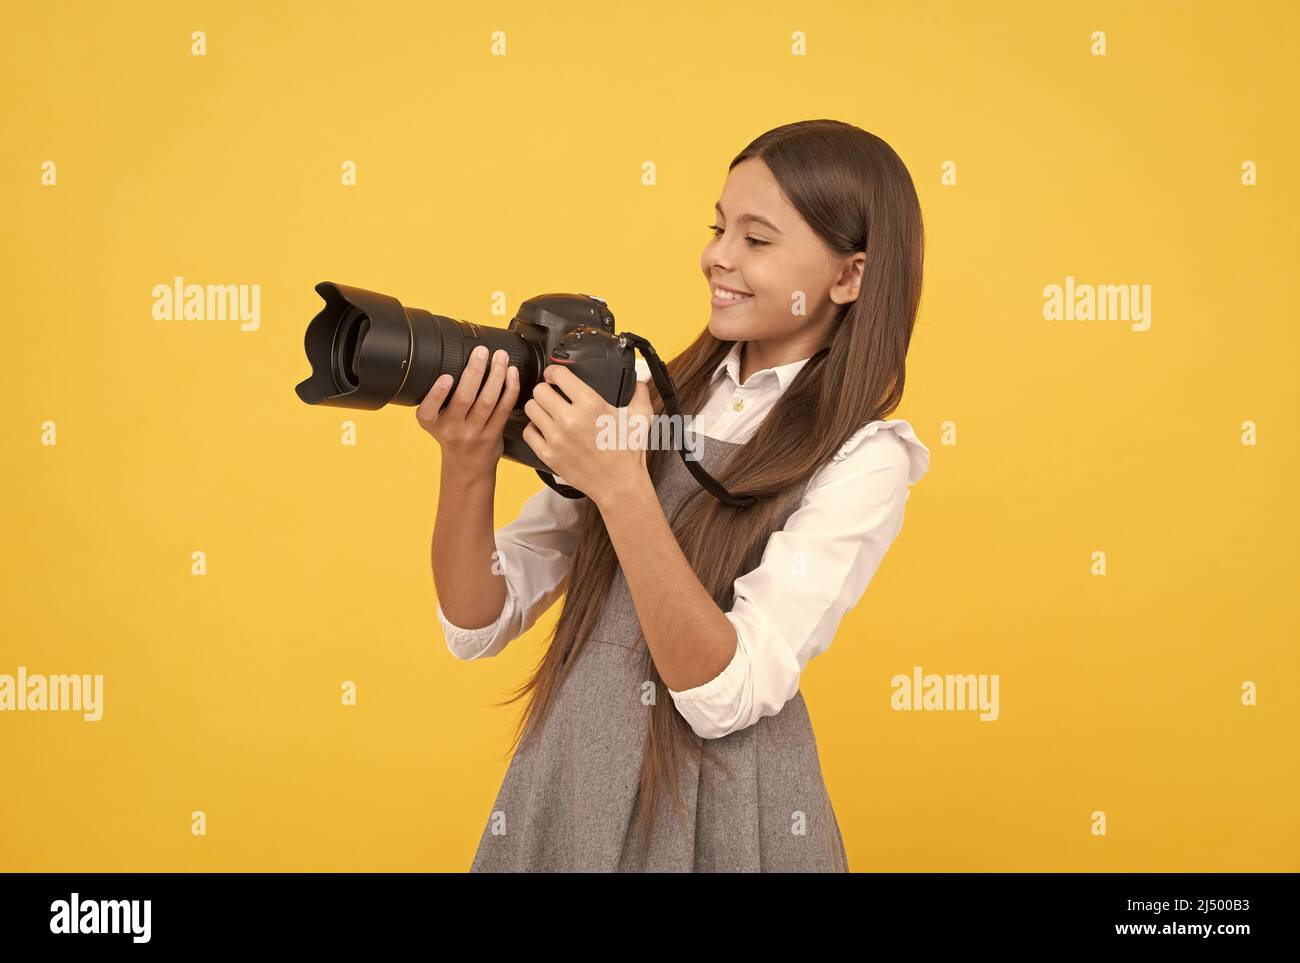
783 373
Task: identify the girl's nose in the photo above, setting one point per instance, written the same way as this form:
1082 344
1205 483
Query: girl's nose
718 258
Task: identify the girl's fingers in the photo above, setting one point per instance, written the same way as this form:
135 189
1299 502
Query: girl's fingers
426 413
533 438
538 416
496 424
487 397
470 379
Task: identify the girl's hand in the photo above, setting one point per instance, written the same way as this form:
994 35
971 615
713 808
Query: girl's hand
582 440
471 430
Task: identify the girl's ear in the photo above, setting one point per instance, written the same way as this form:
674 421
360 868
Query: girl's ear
850 280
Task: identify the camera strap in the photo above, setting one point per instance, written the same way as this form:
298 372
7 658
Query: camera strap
668 391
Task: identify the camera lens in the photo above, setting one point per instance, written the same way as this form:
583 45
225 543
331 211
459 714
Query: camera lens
367 350
351 333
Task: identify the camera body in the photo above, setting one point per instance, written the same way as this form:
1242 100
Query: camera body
556 326
367 350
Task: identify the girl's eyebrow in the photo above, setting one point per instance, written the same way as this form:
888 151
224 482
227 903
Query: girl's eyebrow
717 205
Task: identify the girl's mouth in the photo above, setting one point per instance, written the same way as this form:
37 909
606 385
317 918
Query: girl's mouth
730 300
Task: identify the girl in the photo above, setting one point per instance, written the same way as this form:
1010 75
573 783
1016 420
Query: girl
814 273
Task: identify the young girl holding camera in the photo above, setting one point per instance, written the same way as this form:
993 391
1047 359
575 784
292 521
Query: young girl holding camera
664 729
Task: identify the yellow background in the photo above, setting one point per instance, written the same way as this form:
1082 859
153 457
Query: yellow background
522 173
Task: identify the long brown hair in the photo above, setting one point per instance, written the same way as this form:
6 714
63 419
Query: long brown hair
855 193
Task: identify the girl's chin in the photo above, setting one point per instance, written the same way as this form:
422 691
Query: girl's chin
723 327
725 331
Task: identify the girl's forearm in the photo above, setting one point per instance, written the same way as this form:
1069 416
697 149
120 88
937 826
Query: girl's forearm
465 575
690 639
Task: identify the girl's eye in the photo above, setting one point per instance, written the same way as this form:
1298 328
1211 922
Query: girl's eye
753 241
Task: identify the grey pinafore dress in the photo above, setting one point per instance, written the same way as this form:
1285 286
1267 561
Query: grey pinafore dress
567 801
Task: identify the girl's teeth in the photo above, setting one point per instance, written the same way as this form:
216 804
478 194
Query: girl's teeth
727 295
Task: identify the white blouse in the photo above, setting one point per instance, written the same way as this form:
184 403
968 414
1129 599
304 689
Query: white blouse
813 571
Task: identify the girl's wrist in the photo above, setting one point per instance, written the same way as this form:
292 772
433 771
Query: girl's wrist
468 476
632 489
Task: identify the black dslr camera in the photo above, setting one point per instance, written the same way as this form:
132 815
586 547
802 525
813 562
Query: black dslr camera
366 350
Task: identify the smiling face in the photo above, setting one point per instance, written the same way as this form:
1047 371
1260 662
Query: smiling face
773 256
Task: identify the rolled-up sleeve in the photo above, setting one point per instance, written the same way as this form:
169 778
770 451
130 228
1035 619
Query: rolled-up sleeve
478 643
535 556
813 571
